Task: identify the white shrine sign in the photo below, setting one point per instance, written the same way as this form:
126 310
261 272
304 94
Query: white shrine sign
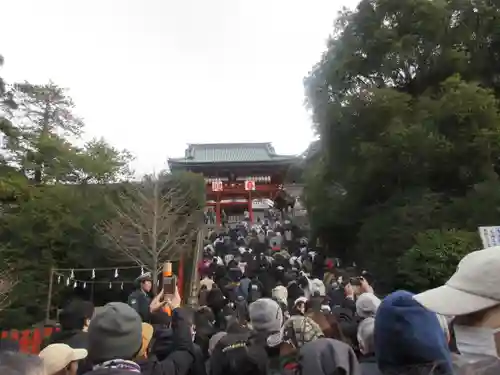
249 185
490 236
217 185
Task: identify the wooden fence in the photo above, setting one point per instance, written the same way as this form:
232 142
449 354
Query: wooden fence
30 339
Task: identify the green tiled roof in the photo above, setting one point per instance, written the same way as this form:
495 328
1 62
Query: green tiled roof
230 152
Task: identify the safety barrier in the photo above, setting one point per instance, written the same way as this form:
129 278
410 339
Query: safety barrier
30 340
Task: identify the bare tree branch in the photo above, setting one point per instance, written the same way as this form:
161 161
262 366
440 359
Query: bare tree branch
155 221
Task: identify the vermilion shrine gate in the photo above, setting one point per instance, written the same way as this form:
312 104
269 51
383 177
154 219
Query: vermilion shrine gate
236 173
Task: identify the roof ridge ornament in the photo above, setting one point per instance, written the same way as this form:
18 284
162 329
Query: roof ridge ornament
270 149
189 153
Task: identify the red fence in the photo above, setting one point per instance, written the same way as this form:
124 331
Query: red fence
29 339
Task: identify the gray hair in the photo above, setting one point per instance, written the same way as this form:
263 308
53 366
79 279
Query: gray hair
365 336
16 363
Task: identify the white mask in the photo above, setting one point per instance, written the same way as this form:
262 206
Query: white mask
476 340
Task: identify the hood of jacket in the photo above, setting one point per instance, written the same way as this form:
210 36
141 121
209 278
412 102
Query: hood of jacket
163 343
325 356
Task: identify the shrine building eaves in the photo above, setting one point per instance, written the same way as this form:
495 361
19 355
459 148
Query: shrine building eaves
228 153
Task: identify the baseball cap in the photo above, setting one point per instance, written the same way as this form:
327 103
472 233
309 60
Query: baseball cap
473 286
367 305
58 356
144 277
298 330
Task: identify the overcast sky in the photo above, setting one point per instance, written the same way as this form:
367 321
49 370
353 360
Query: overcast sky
154 75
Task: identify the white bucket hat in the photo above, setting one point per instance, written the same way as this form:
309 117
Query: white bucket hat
473 286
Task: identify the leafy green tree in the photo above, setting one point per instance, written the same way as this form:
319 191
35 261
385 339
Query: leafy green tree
52 226
8 133
434 258
52 195
405 103
479 207
98 162
45 118
47 128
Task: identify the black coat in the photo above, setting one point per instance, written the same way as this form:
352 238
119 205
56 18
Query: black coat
77 339
179 360
140 302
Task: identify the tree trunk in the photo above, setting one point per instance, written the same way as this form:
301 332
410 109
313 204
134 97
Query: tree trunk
154 275
44 133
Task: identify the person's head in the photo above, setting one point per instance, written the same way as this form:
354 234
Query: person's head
365 336
280 293
76 315
299 306
145 282
314 303
115 333
329 325
317 287
303 281
16 363
203 316
407 335
61 359
265 315
189 316
216 300
473 297
295 333
9 345
367 305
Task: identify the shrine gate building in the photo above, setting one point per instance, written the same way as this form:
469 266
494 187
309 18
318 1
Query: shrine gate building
236 174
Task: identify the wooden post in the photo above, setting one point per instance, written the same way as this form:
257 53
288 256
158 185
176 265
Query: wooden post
195 277
49 297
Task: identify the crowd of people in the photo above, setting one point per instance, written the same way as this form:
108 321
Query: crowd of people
269 303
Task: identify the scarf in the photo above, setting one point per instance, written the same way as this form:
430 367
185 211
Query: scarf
120 364
289 362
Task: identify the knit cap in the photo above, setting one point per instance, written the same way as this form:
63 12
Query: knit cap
115 333
265 315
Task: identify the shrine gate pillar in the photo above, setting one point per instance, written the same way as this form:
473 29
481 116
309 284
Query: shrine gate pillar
217 187
250 206
218 220
250 186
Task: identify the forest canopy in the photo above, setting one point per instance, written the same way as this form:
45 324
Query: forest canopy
405 102
55 192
